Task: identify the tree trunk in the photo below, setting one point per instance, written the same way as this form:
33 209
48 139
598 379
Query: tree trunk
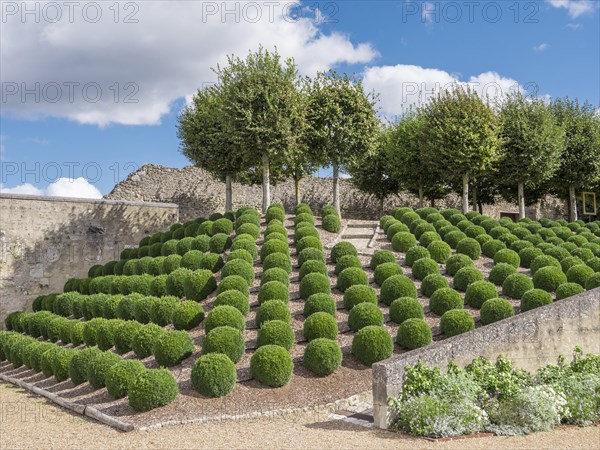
480 207
521 199
336 188
420 196
382 204
297 190
572 204
432 202
266 186
465 193
475 200
228 193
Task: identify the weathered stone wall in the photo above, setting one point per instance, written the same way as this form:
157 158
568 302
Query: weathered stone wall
531 339
198 194
45 241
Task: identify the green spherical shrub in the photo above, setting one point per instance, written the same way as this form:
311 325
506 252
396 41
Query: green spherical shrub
439 251
534 298
386 270
233 298
89 331
395 287
544 246
225 315
304 217
184 245
442 224
422 228
527 255
322 356
428 237
38 324
171 263
241 268
272 310
143 264
364 314
342 249
98 366
191 229
223 225
275 274
54 328
198 284
162 310
371 344
192 260
453 238
490 248
314 283
244 244
272 365
309 242
403 240
349 277
212 262
516 285
151 389
313 267
480 291
63 305
495 309
214 375
578 240
322 302
60 363
517 246
172 347
455 219
306 230
176 280
273 236
593 281
544 261
408 218
469 247
235 283
558 252
499 273
456 321
444 300
507 256
310 254
226 340
359 293
432 283
246 219
33 354
123 335
394 228
280 260
178 233
249 228
567 290
302 208
155 266
594 263
465 276
144 340
273 246
120 377
247 209
347 261
386 220
423 267
276 332
414 254
240 254
584 254
473 231
399 212
143 309
579 274
405 308
328 210
105 333
200 243
45 358
381 257
332 223
457 262
273 290
549 278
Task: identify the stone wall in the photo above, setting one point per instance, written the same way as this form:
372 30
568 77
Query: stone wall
44 241
198 194
531 339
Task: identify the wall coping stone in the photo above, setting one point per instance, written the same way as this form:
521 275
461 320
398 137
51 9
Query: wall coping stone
100 201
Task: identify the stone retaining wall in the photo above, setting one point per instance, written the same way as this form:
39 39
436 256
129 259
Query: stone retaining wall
531 339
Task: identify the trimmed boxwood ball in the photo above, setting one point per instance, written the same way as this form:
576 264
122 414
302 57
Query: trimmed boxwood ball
89 331
233 298
273 246
359 293
454 237
428 237
432 283
235 283
347 261
245 244
105 333
272 310
341 249
302 208
394 228
517 246
310 254
516 285
226 340
172 347
33 353
184 245
405 308
422 228
171 263
321 302
320 325
579 274
490 248
222 225
349 277
187 315
79 364
414 254
381 257
309 242
143 309
386 220
527 255
304 217
240 253
558 252
594 263
593 281
395 287
495 309
275 274
306 230
364 314
214 375
151 389
544 261
457 262
583 253
121 376
480 291
403 240
272 365
144 340
535 298
456 321
313 266
386 270
245 219
273 290
249 228
280 260
322 356
276 332
225 315
371 344
98 366
274 236
124 334
163 309
499 273
314 283
444 300
439 251
549 278
469 247
507 256
176 280
423 267
219 243
241 268
198 285
465 276
212 262
568 290
332 223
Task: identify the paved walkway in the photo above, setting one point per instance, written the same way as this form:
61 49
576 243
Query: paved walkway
361 233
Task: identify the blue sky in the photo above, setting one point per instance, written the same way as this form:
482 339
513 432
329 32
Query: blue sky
548 47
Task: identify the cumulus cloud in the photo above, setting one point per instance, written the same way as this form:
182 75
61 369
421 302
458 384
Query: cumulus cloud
63 187
114 71
541 47
575 8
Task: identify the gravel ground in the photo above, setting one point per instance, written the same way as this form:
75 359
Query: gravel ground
29 422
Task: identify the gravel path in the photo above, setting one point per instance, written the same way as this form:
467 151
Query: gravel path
28 422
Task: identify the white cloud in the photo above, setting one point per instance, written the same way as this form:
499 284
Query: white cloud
575 8
167 55
540 48
403 86
63 187
574 26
